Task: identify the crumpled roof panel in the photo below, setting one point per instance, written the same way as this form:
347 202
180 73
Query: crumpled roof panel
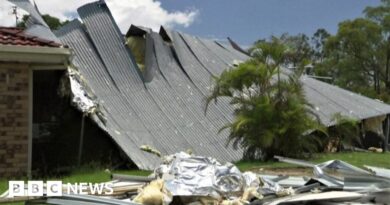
141 113
36 26
123 125
197 70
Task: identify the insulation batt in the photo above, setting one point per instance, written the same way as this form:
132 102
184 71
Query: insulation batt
154 194
249 193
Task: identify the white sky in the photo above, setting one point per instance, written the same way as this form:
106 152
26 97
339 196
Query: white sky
147 13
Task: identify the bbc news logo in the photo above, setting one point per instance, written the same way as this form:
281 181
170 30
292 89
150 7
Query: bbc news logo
56 188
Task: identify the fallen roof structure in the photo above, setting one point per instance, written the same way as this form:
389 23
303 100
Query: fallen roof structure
163 105
329 100
158 113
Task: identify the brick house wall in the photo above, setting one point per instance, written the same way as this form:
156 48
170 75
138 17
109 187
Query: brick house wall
14 118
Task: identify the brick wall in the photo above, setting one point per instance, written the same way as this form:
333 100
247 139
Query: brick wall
14 103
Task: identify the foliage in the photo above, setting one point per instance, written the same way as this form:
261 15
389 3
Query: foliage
272 115
298 49
54 23
358 56
355 54
318 42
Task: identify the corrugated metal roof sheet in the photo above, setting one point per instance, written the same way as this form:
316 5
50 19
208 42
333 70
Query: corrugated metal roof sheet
329 100
166 111
31 9
123 124
143 113
197 70
165 118
36 26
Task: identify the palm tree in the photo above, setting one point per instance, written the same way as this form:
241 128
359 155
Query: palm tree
272 115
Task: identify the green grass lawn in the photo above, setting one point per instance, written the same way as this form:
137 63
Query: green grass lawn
98 175
359 159
3 186
355 158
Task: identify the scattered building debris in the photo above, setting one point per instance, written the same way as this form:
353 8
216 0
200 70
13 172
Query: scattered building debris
379 171
151 150
208 176
375 149
155 193
185 179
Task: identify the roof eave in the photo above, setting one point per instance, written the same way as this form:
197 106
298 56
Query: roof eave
34 54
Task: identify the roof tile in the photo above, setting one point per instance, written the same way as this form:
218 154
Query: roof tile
16 36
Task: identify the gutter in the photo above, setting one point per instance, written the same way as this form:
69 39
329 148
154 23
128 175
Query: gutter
34 54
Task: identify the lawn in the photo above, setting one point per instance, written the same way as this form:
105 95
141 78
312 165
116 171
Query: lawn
97 176
355 158
3 186
358 159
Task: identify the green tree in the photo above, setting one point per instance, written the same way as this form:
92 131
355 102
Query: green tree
298 49
358 56
355 56
272 115
381 15
318 41
54 23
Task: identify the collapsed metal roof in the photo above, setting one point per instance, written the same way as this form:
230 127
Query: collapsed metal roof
163 106
329 100
166 112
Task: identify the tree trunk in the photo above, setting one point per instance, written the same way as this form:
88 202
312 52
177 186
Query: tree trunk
387 71
376 81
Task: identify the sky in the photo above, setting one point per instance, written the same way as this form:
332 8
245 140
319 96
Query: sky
245 21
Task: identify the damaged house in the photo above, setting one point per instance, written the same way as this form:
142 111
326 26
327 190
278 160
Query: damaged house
24 61
144 88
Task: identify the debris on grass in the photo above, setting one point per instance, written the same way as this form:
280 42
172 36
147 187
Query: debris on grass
185 179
